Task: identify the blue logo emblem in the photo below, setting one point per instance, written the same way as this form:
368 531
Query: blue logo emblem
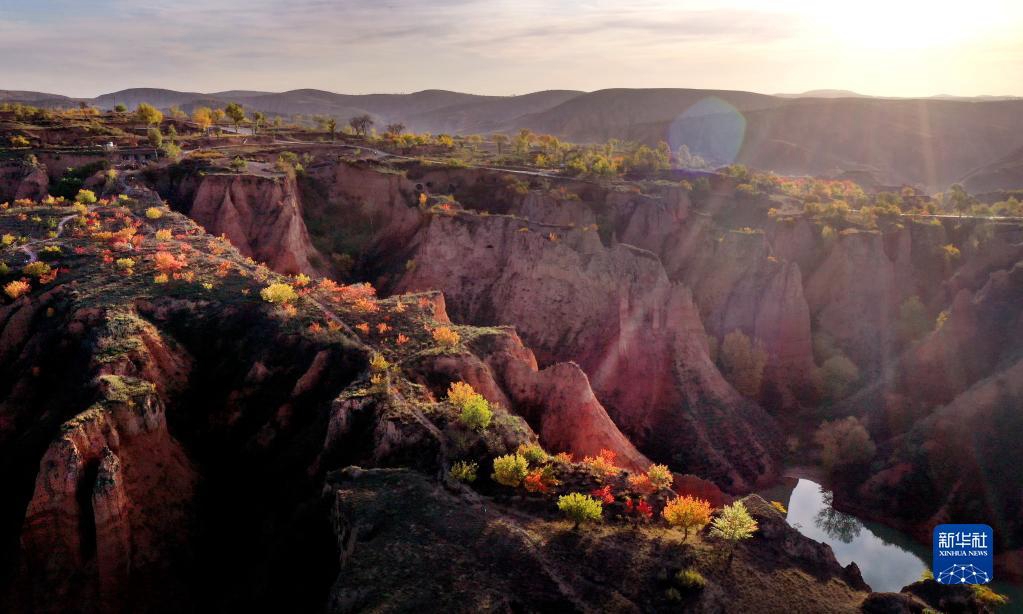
963 554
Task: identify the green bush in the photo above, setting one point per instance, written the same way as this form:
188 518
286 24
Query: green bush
464 471
86 197
476 413
278 293
510 470
580 508
475 409
843 443
743 362
913 320
36 269
660 476
690 579
838 374
988 597
533 453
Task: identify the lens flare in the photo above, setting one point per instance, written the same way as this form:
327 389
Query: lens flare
712 128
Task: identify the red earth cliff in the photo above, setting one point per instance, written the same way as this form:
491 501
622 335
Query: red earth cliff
261 215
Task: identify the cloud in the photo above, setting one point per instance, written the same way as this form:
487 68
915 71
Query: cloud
486 46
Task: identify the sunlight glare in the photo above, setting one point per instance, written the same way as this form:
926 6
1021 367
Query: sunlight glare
908 24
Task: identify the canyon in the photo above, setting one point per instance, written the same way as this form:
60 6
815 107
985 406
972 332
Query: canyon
638 286
175 440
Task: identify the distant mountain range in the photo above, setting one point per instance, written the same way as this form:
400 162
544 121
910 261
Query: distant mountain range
926 141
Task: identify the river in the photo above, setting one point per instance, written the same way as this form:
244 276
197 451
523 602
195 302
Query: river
888 559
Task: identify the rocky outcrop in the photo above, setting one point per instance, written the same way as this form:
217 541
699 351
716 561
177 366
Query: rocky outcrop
549 209
20 180
854 298
989 247
109 500
934 473
740 286
655 224
736 280
615 313
557 402
979 334
114 489
475 553
260 215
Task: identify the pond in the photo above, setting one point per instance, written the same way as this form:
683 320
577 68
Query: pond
888 559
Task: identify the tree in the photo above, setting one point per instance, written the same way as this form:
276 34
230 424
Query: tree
17 288
523 141
203 117
958 198
395 129
120 108
913 320
580 508
171 150
177 113
475 409
733 524
361 124
743 362
236 113
660 476
446 337
155 137
86 197
838 374
533 453
464 471
258 119
500 140
332 127
278 293
218 116
148 115
844 443
687 512
510 470
647 160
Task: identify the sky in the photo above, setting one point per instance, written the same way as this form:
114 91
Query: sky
877 47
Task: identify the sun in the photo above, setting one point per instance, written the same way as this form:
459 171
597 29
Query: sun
908 24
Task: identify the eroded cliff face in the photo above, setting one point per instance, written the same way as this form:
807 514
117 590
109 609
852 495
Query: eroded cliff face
557 402
613 311
168 452
107 512
854 297
261 215
21 180
736 279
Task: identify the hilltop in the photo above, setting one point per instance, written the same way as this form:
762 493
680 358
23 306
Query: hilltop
932 142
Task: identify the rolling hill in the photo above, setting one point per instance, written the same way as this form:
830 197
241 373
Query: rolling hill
930 142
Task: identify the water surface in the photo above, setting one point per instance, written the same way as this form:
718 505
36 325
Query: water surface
888 559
